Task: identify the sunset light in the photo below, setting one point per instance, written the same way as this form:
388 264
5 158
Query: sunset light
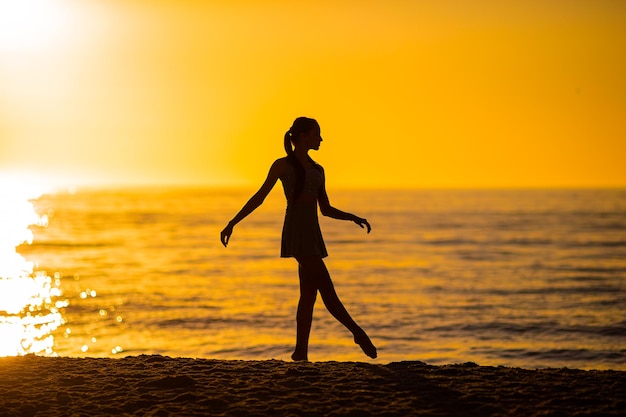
433 94
32 24
30 301
329 207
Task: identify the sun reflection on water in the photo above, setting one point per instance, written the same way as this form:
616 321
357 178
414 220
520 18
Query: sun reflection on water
31 302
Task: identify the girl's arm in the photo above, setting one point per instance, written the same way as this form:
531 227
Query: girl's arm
256 200
330 211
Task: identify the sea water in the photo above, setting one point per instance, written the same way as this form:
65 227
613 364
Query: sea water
530 278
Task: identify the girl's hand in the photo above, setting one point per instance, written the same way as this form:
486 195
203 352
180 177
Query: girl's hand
225 235
362 223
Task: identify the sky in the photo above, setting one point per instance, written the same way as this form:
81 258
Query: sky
409 94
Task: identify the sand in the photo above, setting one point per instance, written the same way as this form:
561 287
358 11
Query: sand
163 386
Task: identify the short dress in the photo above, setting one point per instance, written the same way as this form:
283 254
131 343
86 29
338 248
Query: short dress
301 231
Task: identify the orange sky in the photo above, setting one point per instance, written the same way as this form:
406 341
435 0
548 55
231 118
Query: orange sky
527 93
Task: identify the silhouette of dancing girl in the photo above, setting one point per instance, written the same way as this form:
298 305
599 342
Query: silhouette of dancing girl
304 185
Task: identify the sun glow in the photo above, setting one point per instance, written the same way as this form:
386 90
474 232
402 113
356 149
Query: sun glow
433 94
30 301
31 24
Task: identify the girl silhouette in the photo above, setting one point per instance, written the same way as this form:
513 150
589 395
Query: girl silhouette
304 185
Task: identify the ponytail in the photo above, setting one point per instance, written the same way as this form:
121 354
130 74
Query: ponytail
288 147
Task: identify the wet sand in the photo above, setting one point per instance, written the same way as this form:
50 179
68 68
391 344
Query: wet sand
163 386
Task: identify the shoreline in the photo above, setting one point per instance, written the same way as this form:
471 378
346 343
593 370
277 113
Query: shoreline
160 386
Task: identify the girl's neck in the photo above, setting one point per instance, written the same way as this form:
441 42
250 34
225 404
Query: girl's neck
302 155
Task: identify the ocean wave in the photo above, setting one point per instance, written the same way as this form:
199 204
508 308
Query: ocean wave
536 328
587 269
68 245
596 244
547 290
566 357
527 242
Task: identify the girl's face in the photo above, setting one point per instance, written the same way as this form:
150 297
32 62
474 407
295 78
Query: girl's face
312 139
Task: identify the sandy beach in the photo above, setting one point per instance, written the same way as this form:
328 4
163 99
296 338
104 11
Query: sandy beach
152 385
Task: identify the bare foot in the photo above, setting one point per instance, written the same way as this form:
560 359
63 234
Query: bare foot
299 357
366 345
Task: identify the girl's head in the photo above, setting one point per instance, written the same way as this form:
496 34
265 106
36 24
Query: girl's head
303 132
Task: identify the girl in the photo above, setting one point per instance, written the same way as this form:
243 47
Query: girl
304 185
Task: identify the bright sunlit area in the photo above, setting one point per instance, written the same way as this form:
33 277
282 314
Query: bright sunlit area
28 25
30 303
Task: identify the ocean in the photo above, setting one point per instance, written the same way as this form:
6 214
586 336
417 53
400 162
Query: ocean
523 278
